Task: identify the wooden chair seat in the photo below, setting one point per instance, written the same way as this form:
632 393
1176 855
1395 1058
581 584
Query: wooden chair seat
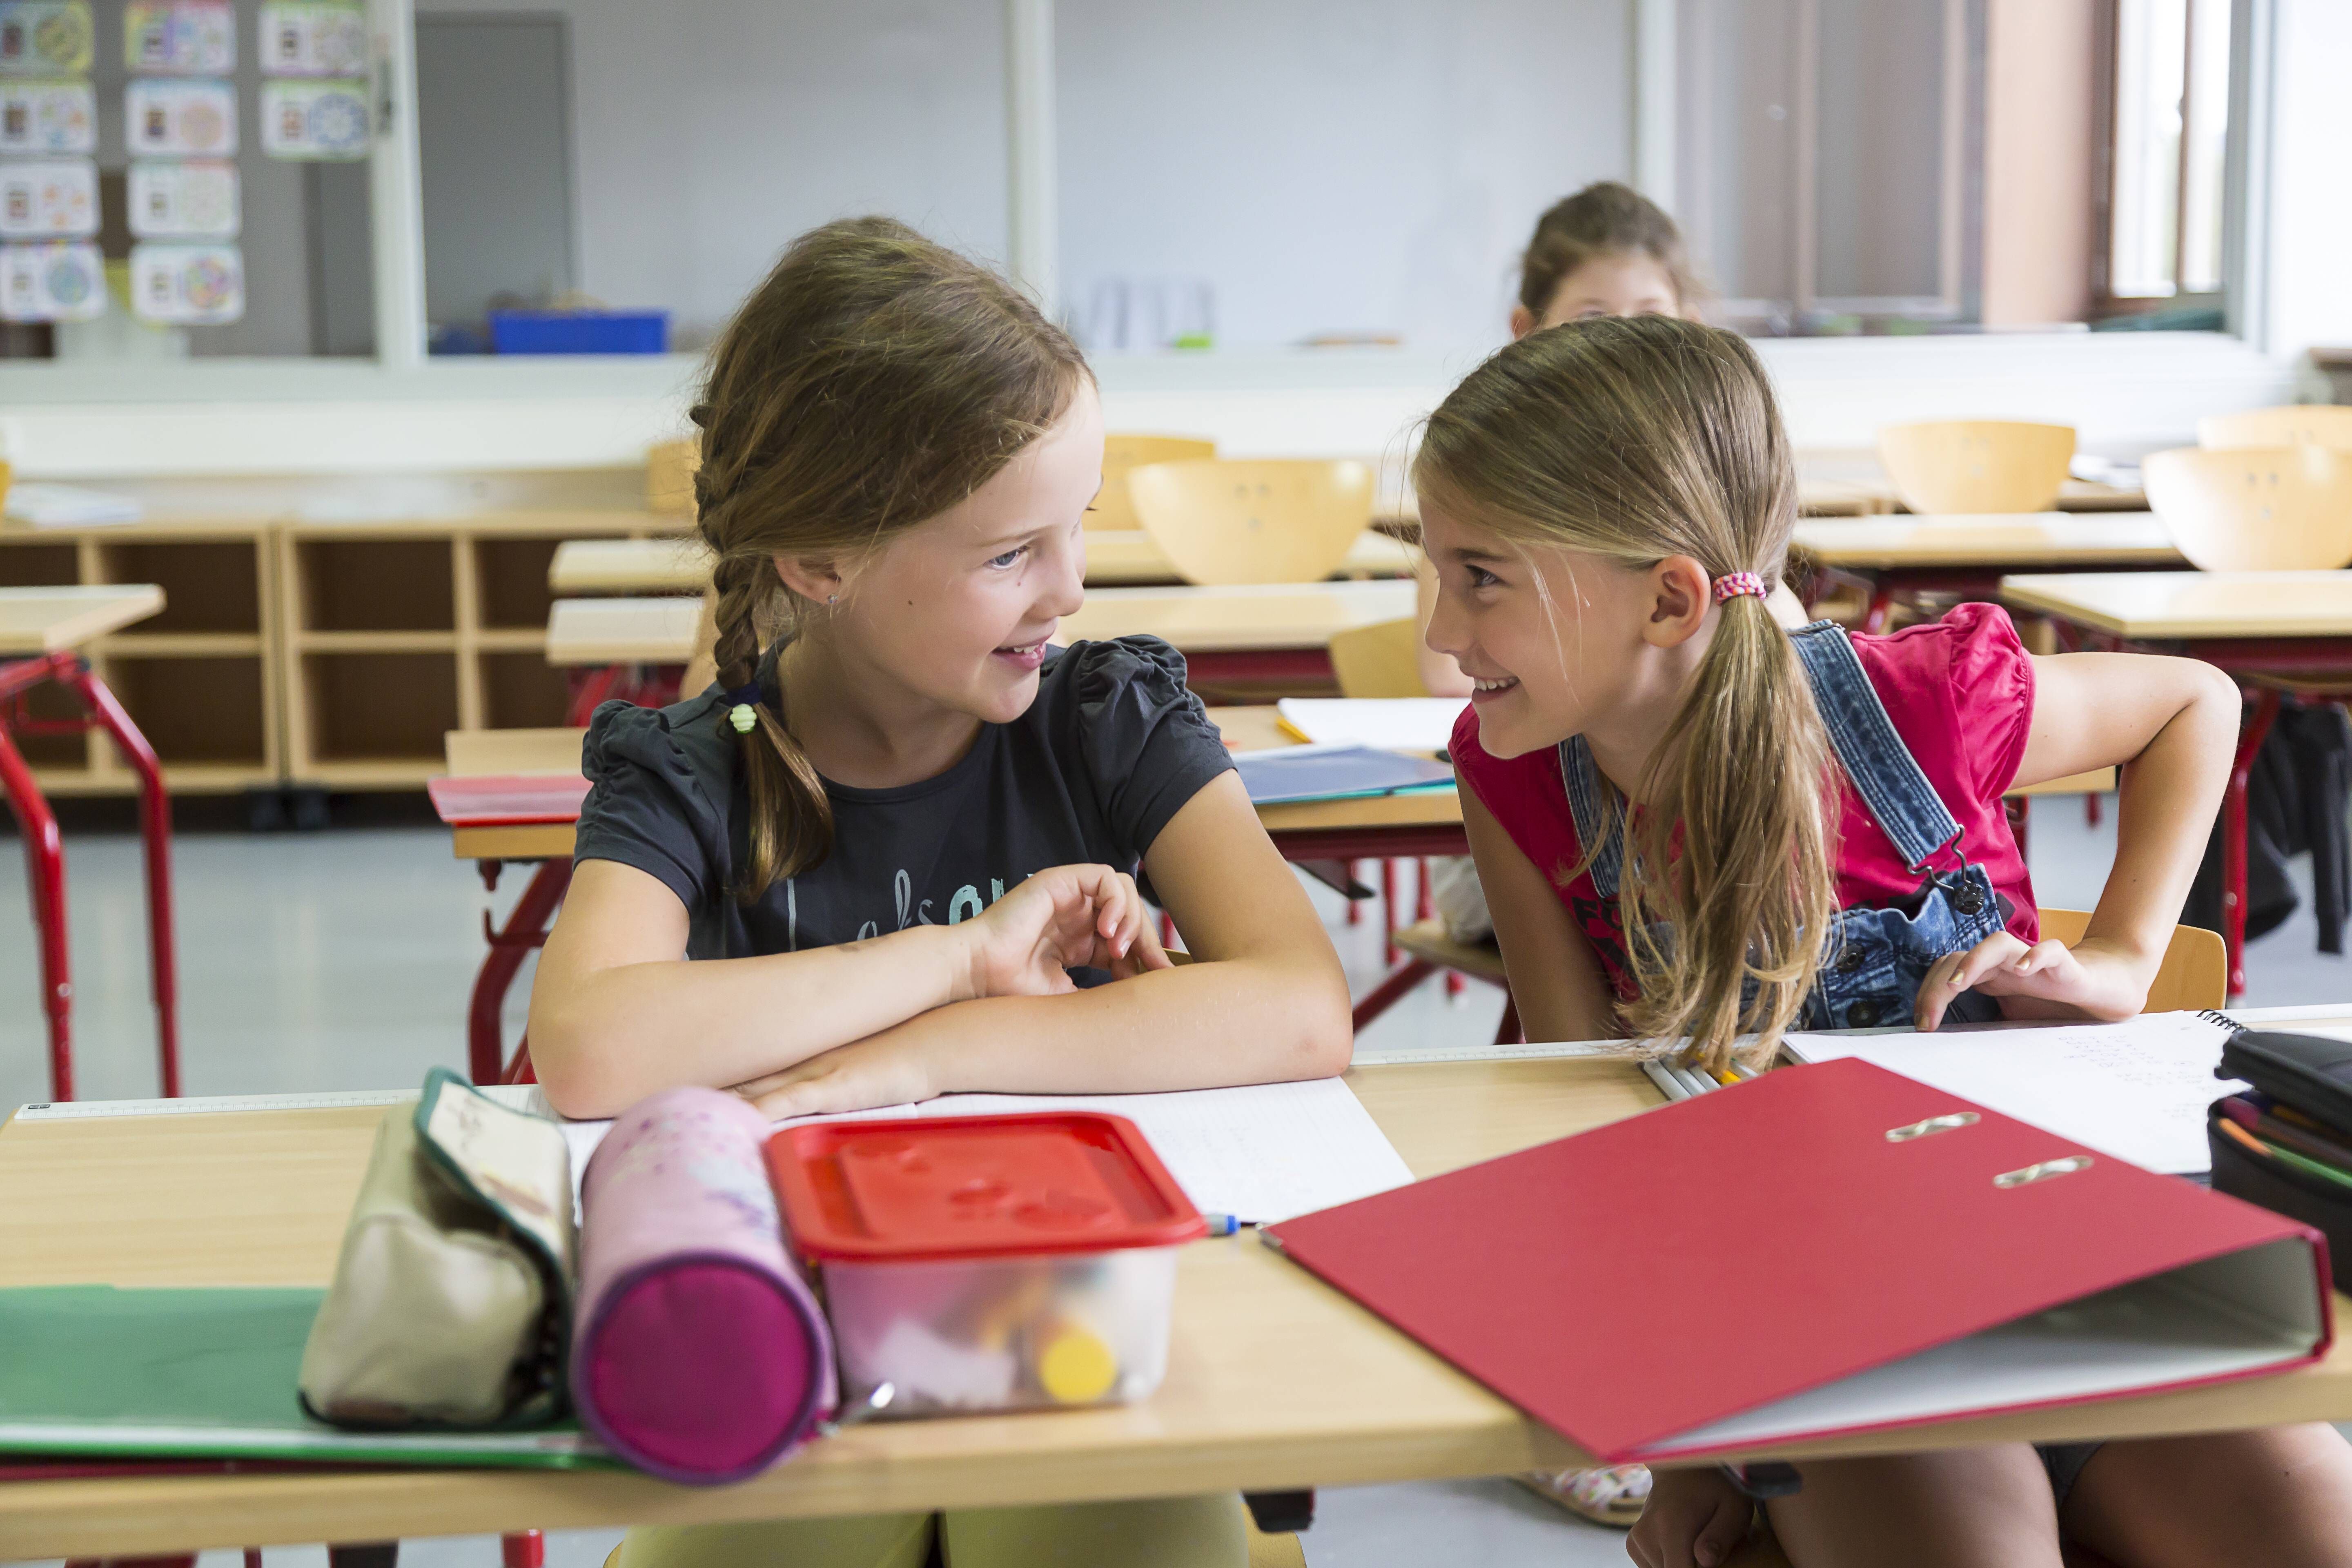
2255 508
1426 940
1946 466
1114 506
1262 520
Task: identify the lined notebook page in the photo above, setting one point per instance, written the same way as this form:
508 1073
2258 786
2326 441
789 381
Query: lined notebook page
1261 1152
2137 1090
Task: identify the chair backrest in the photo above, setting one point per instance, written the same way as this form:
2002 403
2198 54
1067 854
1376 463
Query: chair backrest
1270 520
2324 424
1383 659
2194 975
1977 465
2254 508
1122 454
669 477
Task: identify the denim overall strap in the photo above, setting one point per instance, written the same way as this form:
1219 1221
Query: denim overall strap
1885 774
1596 809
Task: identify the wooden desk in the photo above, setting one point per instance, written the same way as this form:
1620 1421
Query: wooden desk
1274 1380
1893 560
1277 632
581 566
2251 624
591 632
50 620
1129 557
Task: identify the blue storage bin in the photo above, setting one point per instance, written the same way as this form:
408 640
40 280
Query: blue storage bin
580 332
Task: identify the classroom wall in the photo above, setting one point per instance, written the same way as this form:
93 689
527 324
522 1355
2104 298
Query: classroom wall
707 136
2308 256
1331 165
2041 159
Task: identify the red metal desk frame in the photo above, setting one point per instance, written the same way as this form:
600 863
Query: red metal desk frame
45 851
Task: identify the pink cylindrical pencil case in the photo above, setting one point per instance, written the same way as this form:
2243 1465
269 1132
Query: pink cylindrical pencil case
699 1353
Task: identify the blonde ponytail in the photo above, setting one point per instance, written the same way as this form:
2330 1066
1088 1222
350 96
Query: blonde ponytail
1634 440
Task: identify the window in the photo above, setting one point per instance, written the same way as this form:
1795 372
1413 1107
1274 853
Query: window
2167 168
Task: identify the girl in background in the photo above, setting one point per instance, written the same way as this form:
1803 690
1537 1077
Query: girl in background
1694 824
891 853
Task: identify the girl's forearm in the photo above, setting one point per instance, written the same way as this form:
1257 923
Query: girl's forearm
614 1034
1197 1025
2166 805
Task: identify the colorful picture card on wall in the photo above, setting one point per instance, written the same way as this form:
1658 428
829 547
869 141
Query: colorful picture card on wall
46 37
314 122
313 37
65 282
181 38
187 285
174 119
197 199
53 198
48 117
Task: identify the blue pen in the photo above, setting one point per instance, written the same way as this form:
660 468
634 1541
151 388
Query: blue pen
1225 1225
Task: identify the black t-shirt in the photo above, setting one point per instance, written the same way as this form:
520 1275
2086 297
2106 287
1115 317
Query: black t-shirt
1112 748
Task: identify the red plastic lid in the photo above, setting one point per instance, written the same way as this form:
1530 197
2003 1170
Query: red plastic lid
976 1186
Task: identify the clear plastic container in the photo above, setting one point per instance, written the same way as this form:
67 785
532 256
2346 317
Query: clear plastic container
989 1262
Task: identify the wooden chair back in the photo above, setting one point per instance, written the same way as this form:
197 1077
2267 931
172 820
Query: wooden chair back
2254 508
1122 454
1267 520
1977 465
2322 424
669 477
2194 975
1378 660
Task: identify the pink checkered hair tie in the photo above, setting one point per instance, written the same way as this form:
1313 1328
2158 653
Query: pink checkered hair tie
1733 585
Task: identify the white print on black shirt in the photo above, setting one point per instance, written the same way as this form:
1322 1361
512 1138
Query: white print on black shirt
964 906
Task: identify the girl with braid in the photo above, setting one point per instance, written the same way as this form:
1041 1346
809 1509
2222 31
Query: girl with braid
892 852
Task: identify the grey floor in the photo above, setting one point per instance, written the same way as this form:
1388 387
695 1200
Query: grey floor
343 959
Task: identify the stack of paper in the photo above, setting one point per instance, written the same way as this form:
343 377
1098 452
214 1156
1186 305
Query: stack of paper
1387 723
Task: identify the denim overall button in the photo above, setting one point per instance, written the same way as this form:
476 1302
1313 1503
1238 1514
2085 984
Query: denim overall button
1967 899
1850 959
1861 1014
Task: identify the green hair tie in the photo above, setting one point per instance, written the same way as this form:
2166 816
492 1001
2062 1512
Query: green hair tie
742 717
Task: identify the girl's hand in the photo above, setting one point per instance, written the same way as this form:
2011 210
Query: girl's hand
2093 979
1063 918
881 1069
1694 1519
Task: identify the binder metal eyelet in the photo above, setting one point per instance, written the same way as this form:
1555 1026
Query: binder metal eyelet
2042 1172
1934 1124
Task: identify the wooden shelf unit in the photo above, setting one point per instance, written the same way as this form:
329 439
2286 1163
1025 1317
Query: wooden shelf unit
200 680
397 633
323 630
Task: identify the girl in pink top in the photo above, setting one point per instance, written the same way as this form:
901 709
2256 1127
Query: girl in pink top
1694 825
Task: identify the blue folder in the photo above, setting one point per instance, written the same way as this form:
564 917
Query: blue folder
1336 773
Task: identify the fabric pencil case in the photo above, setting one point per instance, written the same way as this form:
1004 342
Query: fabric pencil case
452 1299
2287 1164
2309 1072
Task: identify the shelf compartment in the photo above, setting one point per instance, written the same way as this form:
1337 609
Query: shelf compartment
523 691
375 585
212 586
196 711
391 708
64 753
50 565
512 575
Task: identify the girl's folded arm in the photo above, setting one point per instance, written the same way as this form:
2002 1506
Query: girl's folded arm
2171 725
1263 1001
617 1011
1555 979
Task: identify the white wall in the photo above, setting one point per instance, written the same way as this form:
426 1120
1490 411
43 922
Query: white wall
1332 165
2309 249
707 134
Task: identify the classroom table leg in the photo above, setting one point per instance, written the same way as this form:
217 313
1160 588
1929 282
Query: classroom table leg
1882 603
525 929
45 865
1388 908
2233 836
155 833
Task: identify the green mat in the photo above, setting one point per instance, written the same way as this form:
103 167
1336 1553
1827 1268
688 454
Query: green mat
96 1371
